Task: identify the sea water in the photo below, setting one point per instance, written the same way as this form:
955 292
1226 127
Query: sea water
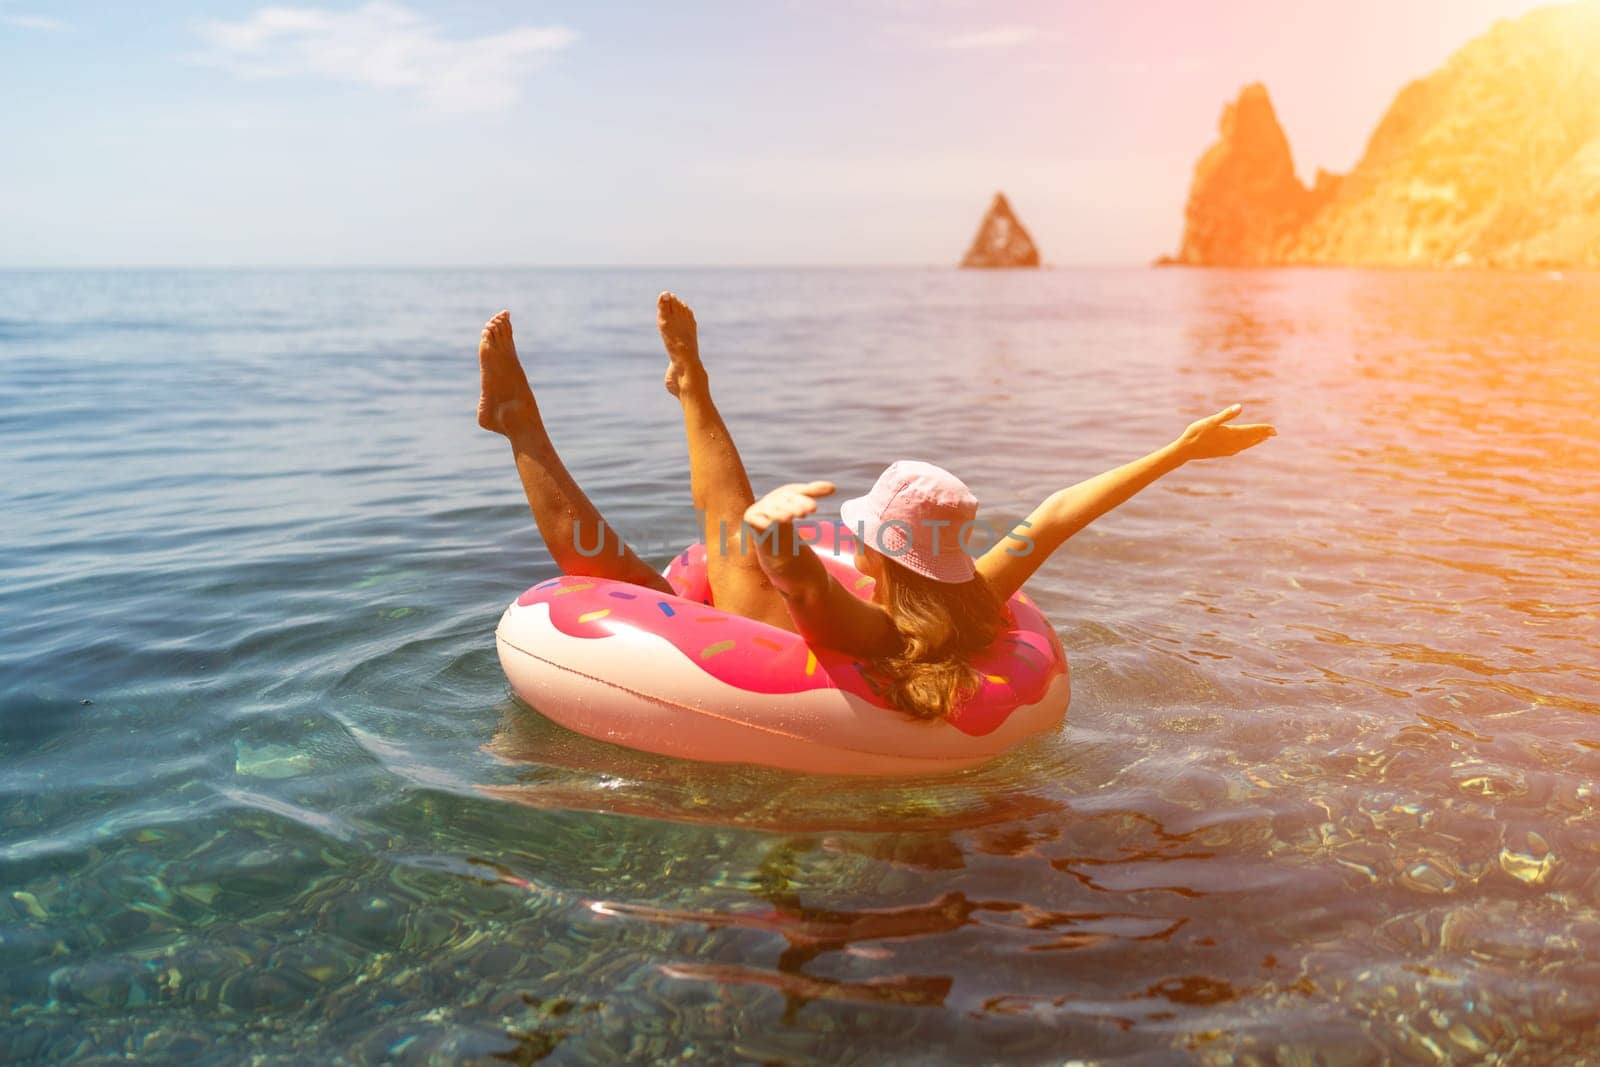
1329 781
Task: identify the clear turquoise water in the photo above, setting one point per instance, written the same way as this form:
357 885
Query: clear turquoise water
1329 780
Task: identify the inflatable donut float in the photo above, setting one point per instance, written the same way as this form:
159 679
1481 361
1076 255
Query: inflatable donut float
676 676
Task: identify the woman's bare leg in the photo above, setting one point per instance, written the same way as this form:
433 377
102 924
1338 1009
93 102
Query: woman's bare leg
565 515
716 476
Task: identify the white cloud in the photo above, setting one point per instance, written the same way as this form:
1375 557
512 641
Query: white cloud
385 46
992 37
33 22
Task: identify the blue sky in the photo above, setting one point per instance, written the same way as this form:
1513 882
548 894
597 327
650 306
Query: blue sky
487 133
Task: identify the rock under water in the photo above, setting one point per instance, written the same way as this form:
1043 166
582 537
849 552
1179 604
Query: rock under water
1002 240
1492 160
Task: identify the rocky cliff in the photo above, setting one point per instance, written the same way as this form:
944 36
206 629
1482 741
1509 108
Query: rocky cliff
1246 205
1493 160
1001 241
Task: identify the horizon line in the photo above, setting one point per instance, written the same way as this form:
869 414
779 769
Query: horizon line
811 265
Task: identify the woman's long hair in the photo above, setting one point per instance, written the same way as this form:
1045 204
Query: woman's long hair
942 626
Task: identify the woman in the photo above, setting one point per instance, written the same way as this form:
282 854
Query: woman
933 605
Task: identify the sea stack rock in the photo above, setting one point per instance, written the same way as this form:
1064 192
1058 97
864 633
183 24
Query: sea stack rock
1002 240
1493 160
1246 204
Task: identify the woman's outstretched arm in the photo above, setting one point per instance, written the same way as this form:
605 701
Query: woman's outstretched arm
1013 560
824 612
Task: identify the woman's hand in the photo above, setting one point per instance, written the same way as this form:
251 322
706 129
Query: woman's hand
786 504
1212 437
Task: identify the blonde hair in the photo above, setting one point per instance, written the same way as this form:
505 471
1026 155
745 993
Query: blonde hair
942 626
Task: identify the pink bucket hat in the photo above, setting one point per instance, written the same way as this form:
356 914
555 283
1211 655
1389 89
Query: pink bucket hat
914 514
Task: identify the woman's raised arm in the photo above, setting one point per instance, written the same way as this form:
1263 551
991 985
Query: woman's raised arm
1014 559
824 612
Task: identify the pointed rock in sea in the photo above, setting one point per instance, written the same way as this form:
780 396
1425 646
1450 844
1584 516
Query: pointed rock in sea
1002 240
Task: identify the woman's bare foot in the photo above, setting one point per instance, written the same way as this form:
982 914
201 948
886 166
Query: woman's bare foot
681 336
506 400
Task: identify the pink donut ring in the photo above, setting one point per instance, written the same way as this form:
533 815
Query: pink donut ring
676 676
